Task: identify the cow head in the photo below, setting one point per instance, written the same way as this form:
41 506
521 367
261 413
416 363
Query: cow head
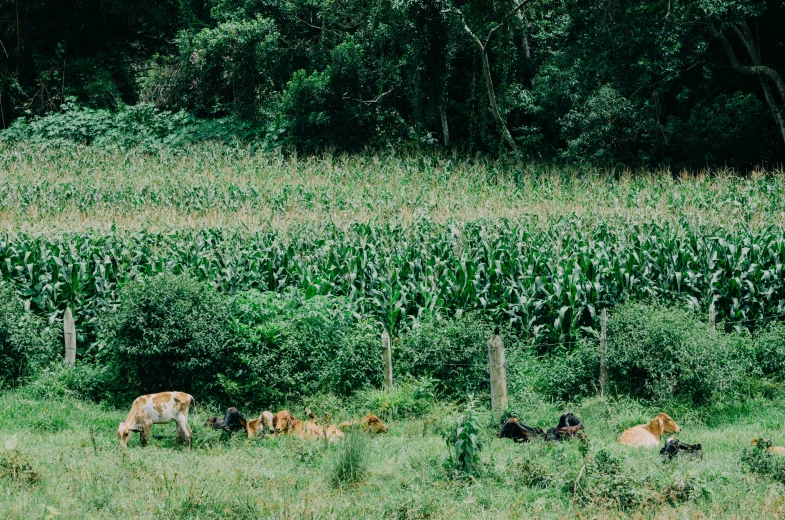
668 424
568 419
124 432
266 420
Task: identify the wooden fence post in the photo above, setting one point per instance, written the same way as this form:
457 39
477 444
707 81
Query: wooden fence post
69 335
712 315
28 302
603 351
498 373
388 382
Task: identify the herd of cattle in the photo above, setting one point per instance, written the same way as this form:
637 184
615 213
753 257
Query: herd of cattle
166 407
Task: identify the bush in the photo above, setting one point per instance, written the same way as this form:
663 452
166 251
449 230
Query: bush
453 352
169 333
85 380
140 125
662 353
769 352
291 346
26 342
464 440
757 459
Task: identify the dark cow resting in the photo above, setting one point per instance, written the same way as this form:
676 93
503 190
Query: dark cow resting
216 423
233 420
568 428
518 432
674 448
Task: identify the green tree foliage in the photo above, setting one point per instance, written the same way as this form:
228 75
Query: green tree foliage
684 84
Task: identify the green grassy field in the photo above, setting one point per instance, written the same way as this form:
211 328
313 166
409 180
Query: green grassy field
80 472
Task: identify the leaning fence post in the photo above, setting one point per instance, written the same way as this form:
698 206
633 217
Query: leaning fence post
388 382
603 351
496 366
69 335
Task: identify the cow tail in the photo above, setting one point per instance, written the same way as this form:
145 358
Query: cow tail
196 410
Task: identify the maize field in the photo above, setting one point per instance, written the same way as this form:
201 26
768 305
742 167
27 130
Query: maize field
548 282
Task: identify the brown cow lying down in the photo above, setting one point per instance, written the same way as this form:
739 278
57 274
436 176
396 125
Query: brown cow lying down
674 448
776 450
369 423
649 435
284 423
216 423
160 408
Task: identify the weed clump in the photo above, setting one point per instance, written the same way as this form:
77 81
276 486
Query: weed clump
351 463
757 459
14 466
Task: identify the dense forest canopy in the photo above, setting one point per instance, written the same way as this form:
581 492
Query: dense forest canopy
676 83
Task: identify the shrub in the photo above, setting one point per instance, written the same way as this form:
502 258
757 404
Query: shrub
84 380
758 459
769 352
352 459
608 483
168 333
26 342
291 346
660 353
453 352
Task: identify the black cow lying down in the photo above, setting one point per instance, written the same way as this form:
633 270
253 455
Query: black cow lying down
519 432
674 448
232 421
568 428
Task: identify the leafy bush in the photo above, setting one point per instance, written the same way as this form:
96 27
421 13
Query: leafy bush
351 462
26 341
769 352
84 380
140 125
660 353
758 459
291 346
453 352
169 333
608 483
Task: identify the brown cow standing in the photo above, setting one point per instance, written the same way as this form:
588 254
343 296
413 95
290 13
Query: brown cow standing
160 408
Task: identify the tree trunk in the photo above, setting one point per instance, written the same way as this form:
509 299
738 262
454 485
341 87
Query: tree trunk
757 68
445 128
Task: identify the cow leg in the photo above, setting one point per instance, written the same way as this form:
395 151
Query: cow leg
144 435
182 425
179 435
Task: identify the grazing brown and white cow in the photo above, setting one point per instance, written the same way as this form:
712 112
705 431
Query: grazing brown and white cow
160 408
648 435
